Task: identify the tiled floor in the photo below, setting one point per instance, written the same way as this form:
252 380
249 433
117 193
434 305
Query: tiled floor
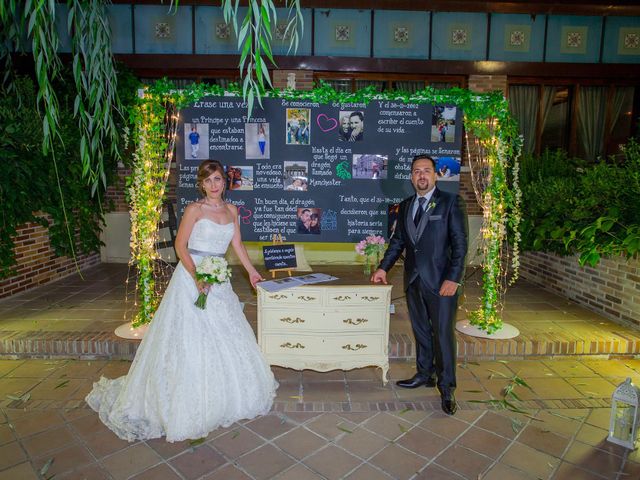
358 430
323 425
77 316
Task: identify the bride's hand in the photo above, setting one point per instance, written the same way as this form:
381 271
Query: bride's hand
254 278
202 286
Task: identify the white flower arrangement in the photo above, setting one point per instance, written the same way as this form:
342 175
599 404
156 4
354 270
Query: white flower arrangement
211 270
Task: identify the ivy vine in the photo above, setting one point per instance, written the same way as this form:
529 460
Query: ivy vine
486 116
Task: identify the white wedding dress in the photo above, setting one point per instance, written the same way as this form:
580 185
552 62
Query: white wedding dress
195 370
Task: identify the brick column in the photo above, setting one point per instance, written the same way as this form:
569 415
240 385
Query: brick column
303 78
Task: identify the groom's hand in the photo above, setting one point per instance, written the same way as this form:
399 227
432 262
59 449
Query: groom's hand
379 276
448 288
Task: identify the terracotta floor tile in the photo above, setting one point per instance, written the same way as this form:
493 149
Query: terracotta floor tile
463 461
504 472
423 442
401 370
387 425
105 443
367 472
300 442
364 391
34 422
497 424
324 392
527 459
543 439
569 368
228 472
444 425
332 462
270 426
631 470
299 472
592 387
17 386
237 442
114 369
265 462
23 471
70 458
37 368
330 426
302 417
436 472
11 454
161 471
356 418
197 461
564 422
525 369
568 471
131 461
89 425
483 442
398 462
7 366
168 449
550 388
609 368
599 417
594 460
42 443
362 443
93 471
6 434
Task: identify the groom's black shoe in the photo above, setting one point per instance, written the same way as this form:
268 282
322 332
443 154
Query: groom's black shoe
417 381
448 403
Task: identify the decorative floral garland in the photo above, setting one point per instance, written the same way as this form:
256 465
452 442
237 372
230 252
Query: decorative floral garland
486 116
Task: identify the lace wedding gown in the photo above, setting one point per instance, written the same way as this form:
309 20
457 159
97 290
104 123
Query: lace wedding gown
195 370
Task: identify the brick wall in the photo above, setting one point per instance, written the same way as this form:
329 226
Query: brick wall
612 288
37 262
487 83
304 79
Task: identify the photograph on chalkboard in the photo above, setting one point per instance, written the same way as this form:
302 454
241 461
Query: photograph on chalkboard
240 177
392 218
443 124
296 176
370 166
309 221
196 141
448 168
351 126
256 140
298 126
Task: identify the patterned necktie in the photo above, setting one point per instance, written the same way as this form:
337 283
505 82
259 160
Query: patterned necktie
420 211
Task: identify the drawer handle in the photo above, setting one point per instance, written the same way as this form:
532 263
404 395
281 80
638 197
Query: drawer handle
369 299
359 346
277 296
291 345
292 320
357 321
342 298
305 298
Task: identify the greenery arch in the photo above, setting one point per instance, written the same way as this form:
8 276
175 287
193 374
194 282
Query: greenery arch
494 165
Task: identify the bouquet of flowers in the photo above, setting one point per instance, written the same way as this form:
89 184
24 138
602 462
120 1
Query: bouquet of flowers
211 270
371 247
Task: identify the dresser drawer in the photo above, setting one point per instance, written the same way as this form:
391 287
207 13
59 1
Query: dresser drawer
293 296
344 320
370 296
329 346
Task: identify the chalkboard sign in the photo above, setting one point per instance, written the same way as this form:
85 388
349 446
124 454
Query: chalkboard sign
313 171
279 257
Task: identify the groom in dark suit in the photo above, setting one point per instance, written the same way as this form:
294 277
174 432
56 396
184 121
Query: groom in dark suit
432 231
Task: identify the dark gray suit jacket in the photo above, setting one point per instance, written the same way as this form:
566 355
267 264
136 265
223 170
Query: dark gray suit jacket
436 249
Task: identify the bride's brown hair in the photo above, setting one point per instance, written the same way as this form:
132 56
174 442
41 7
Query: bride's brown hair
207 168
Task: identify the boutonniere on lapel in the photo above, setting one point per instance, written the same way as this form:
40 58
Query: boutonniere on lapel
431 205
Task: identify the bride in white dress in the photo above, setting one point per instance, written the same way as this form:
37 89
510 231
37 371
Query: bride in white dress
195 370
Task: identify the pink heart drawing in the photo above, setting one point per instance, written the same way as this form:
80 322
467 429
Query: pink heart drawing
245 215
327 123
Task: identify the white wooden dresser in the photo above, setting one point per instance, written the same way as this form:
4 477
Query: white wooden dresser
326 327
